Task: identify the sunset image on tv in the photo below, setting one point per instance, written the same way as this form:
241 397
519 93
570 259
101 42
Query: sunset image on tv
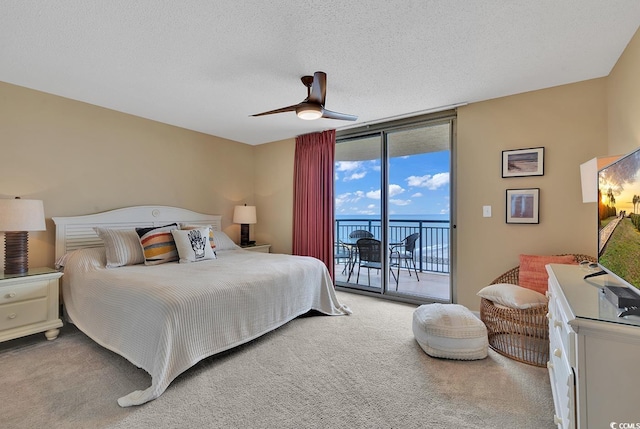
619 218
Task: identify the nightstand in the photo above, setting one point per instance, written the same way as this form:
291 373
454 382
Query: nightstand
263 248
29 304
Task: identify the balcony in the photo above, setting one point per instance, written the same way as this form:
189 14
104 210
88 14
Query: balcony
431 257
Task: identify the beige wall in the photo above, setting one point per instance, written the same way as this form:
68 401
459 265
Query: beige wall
623 97
274 194
81 159
570 123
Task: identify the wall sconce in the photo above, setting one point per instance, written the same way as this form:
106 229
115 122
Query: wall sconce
589 176
17 217
244 215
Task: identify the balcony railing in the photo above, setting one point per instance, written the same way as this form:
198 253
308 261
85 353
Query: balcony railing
432 248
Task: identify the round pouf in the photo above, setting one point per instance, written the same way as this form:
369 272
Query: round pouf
450 331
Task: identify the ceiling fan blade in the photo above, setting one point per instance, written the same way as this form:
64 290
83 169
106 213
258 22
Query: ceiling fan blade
335 115
318 88
283 109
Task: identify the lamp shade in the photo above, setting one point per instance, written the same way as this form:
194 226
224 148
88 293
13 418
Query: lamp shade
244 214
21 215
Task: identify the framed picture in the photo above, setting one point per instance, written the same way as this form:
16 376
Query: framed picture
523 205
523 162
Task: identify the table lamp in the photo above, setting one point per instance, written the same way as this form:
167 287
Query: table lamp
244 215
17 217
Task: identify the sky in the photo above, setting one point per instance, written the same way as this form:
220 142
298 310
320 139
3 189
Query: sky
418 185
623 179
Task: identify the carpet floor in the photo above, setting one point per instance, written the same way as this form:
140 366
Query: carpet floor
358 371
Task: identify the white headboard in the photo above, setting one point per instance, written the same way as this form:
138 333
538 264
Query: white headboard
76 232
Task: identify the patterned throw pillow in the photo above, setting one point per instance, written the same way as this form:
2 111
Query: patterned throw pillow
532 273
122 246
193 245
187 227
157 244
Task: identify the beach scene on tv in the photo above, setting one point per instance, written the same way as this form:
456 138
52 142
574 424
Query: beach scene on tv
619 218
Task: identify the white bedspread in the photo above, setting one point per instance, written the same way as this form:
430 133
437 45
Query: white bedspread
166 318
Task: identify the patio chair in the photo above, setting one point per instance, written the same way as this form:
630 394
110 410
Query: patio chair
369 256
405 251
360 233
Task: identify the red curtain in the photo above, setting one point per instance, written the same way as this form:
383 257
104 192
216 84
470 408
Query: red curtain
313 196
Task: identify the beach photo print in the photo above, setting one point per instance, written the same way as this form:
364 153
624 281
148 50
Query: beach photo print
523 162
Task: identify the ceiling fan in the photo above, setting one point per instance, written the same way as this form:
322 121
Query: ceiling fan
312 107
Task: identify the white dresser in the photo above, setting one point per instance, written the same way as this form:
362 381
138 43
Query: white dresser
29 304
594 355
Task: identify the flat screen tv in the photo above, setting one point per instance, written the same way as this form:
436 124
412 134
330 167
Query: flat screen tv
619 219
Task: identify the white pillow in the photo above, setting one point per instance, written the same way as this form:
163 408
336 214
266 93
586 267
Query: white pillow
122 246
223 242
513 296
186 227
193 245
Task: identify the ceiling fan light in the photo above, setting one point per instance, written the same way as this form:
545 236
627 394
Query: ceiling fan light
309 112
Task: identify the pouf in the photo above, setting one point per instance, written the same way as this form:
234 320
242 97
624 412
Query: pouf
450 331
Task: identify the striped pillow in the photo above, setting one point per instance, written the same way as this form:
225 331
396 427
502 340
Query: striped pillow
122 246
157 244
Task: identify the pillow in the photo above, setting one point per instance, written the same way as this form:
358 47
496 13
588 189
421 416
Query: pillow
193 244
83 260
513 296
157 244
122 246
187 227
223 242
532 273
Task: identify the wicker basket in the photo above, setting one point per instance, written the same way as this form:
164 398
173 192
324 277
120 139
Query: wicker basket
522 335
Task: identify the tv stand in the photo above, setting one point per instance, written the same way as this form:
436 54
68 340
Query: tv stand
596 274
593 353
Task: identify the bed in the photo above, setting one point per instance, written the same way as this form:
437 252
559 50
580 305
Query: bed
165 318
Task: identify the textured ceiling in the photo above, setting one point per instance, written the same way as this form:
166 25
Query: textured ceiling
208 65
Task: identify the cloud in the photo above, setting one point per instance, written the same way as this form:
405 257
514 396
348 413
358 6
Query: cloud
348 197
348 165
355 176
430 182
393 191
374 195
399 202
416 195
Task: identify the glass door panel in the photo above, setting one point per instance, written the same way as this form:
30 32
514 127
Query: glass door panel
418 210
358 209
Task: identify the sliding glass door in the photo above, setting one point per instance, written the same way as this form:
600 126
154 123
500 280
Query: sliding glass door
358 211
393 185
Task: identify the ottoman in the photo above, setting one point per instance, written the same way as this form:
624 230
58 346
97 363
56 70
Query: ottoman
450 331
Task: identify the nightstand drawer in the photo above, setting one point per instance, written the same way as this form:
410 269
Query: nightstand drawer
23 313
22 292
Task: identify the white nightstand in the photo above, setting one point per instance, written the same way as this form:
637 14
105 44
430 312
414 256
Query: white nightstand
29 304
263 248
